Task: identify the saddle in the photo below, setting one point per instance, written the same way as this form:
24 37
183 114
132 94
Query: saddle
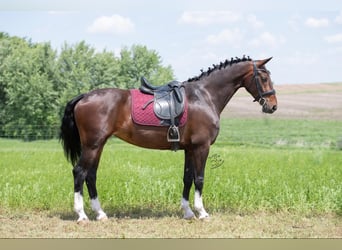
168 104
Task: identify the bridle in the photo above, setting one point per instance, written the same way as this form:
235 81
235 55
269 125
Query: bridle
261 94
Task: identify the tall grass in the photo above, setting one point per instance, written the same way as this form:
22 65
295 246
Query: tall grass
271 132
254 172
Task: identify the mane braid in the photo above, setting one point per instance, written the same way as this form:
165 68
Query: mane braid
219 66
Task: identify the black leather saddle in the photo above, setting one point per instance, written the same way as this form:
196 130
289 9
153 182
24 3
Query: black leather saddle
168 104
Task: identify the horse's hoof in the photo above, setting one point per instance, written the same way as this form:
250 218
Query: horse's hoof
102 218
189 216
204 217
82 221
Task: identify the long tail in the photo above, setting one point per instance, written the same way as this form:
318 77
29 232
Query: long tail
69 135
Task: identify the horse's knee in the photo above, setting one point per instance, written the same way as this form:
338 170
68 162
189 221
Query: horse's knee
187 181
199 182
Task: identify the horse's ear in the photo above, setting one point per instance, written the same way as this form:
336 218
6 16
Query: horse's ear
263 62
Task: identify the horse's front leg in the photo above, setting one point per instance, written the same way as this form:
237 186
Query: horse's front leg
195 161
200 159
188 178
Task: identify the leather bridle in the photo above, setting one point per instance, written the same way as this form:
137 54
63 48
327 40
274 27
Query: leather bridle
261 94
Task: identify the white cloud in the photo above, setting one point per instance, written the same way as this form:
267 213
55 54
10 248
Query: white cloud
317 22
338 19
256 24
233 37
267 39
337 38
114 24
209 17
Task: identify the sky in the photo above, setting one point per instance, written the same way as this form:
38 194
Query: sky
303 37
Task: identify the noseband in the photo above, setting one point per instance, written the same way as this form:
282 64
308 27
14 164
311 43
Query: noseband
260 98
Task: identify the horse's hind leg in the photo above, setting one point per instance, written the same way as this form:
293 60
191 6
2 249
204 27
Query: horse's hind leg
85 170
95 203
79 177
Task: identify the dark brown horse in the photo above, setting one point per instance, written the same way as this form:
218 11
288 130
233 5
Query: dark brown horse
90 119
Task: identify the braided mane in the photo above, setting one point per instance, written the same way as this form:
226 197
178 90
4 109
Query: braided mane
219 66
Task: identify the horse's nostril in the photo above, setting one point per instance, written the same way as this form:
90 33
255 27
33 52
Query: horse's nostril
274 108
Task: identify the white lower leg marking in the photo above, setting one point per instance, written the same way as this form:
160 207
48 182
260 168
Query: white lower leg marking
78 207
95 205
198 204
188 214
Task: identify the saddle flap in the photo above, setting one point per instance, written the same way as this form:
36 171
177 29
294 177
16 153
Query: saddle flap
169 105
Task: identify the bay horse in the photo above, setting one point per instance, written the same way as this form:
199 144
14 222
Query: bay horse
90 119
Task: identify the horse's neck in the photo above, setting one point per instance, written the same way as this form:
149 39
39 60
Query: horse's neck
223 84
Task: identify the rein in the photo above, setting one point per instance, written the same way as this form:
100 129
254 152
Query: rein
260 98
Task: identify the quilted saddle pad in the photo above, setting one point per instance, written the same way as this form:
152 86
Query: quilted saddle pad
144 115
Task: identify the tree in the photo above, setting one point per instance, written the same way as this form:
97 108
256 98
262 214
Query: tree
81 69
36 82
139 61
29 103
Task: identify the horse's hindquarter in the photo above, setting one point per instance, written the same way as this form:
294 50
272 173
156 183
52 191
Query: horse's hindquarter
102 112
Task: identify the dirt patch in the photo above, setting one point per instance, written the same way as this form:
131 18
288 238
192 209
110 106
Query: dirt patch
220 225
299 101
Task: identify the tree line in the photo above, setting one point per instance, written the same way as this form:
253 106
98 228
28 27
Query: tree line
36 81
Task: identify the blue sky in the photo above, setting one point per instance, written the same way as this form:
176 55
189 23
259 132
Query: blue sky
304 37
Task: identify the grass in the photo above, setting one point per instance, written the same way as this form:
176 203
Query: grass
248 171
271 132
255 186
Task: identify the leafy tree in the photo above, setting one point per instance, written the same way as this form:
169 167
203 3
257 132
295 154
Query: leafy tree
139 61
29 102
105 70
81 69
36 82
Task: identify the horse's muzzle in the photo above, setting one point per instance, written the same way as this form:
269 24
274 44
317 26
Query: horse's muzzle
269 109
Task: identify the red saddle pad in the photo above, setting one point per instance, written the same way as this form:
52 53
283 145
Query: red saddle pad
146 116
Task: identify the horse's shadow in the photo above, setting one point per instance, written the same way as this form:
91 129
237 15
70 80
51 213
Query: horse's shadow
120 213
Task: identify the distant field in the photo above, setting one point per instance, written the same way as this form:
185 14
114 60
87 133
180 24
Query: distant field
297 101
266 176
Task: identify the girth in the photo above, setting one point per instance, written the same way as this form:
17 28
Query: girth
168 104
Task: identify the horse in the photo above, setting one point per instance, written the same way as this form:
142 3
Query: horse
91 118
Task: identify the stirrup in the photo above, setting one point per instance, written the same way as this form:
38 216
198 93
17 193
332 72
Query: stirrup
173 134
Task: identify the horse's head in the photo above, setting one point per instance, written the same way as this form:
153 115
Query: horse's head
259 84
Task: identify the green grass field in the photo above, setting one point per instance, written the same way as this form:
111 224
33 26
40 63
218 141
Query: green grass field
255 166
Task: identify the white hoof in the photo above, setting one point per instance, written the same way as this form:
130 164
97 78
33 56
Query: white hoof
188 215
203 215
101 217
82 220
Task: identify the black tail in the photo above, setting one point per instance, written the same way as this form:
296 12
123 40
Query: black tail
69 135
